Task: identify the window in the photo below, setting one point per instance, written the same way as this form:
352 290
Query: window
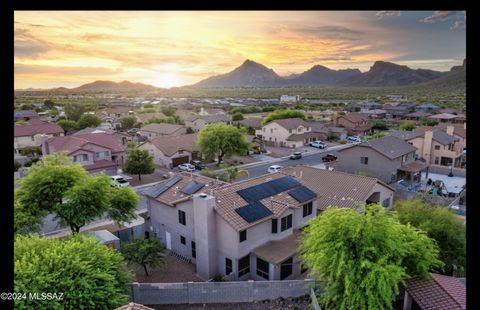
101 154
299 129
274 226
262 268
244 265
437 147
194 249
286 222
289 131
183 240
286 268
228 266
307 209
80 157
364 160
243 235
181 217
386 203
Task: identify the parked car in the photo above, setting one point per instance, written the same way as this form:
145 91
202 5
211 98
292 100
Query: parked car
318 144
354 139
274 168
329 157
186 167
198 164
296 155
133 131
119 181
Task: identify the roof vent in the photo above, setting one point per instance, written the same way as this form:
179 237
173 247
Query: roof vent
203 195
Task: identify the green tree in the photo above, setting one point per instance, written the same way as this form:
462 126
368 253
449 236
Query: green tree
375 136
237 116
362 256
168 111
379 124
31 150
67 125
407 125
21 123
74 110
222 140
16 165
144 252
49 104
148 106
440 224
123 204
128 122
232 172
88 120
282 114
146 110
428 122
139 162
24 222
89 274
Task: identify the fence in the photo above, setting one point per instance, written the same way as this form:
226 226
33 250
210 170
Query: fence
458 172
218 292
313 297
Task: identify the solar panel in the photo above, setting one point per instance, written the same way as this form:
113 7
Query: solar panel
158 189
270 188
192 187
253 212
302 194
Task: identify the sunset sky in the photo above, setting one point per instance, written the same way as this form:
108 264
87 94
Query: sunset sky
173 48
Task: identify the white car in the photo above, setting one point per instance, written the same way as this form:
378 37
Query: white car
274 168
186 167
318 144
354 139
119 181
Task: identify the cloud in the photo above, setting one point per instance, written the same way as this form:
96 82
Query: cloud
94 36
381 14
438 16
460 24
57 70
27 46
332 32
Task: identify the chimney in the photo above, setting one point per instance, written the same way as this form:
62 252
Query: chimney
450 130
427 145
205 234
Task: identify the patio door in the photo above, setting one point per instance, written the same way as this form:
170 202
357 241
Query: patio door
168 240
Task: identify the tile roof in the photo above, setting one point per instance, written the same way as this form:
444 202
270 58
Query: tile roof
458 129
142 117
36 127
354 117
74 143
335 188
408 135
390 146
427 106
305 135
254 122
210 119
442 137
93 130
163 128
318 127
438 292
100 164
134 306
419 114
169 145
443 116
291 123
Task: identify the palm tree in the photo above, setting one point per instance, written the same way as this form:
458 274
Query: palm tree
232 172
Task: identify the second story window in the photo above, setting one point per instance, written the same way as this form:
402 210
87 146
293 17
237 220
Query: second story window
80 157
181 217
286 222
437 147
243 235
364 160
307 209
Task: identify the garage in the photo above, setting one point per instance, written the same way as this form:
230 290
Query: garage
179 160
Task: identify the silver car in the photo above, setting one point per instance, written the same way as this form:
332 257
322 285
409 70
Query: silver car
186 167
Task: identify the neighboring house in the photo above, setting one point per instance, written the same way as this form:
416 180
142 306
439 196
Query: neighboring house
398 111
197 122
118 112
451 111
369 105
249 230
121 136
163 129
374 113
289 132
287 98
388 158
436 292
354 123
96 152
254 122
416 116
445 117
437 145
204 111
142 117
328 130
34 134
24 115
171 151
427 107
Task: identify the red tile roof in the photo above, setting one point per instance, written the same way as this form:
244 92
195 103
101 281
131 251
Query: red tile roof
74 143
99 164
354 117
36 127
438 292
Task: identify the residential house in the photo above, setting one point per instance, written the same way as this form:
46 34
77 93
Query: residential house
427 107
96 152
369 105
397 98
253 122
163 129
328 130
398 111
142 117
197 122
210 111
451 111
24 115
287 98
121 136
437 146
249 230
387 158
417 115
374 113
436 292
34 133
171 151
118 112
290 132
354 123
445 118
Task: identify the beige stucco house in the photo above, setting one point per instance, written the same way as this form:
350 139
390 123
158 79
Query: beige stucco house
34 134
154 130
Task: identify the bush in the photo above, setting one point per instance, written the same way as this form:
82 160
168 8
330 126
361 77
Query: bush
218 278
343 142
237 116
31 162
407 125
16 165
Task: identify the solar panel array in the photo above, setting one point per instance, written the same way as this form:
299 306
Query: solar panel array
302 194
158 189
253 212
270 188
192 187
